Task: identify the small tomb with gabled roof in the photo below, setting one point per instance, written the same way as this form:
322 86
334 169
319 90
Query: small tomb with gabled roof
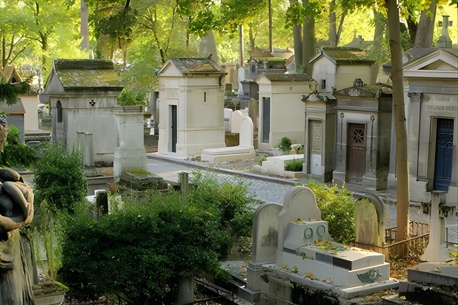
82 94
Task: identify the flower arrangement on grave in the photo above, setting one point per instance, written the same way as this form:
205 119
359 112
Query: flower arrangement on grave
296 147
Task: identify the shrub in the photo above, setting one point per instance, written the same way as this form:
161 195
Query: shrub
59 178
16 153
234 205
285 144
148 246
132 97
338 208
261 159
294 165
47 237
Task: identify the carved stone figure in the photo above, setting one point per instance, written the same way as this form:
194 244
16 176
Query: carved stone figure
16 211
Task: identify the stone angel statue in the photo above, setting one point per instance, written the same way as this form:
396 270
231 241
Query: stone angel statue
3 131
16 211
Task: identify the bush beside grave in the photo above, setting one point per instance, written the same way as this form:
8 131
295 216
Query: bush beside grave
15 153
59 178
338 208
294 165
138 253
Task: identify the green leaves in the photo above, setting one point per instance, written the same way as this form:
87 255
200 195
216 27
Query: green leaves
139 252
59 178
131 97
16 153
338 208
9 92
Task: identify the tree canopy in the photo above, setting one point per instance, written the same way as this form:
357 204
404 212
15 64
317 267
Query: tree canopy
142 35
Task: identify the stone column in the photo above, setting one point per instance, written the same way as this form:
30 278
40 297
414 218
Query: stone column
131 152
185 290
80 144
392 179
413 128
452 194
88 149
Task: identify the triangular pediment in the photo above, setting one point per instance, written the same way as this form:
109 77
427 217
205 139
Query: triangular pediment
53 84
263 80
169 69
439 63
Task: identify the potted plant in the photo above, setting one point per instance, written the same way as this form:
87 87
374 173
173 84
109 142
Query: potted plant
285 145
296 147
46 236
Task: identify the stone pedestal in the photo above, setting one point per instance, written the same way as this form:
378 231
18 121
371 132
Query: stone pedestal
254 271
140 182
130 152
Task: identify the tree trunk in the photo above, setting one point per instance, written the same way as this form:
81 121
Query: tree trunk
425 29
271 47
332 25
412 26
3 59
297 36
84 45
251 37
308 41
15 271
402 173
380 25
241 45
298 48
44 48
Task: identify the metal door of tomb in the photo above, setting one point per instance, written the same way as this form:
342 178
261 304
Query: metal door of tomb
265 119
356 154
444 154
173 127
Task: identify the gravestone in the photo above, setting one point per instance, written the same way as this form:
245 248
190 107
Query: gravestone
244 150
246 132
241 75
265 242
369 227
236 121
253 110
101 203
299 203
227 119
305 245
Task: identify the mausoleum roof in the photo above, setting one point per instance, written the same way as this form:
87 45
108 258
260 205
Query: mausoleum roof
374 90
14 109
197 66
277 52
86 73
10 75
281 77
343 55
